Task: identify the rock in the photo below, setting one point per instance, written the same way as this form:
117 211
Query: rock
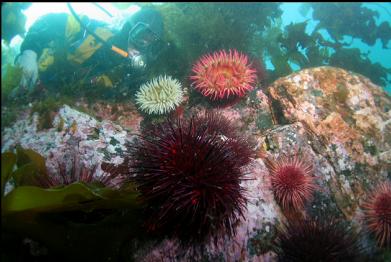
92 141
124 114
349 117
256 231
340 120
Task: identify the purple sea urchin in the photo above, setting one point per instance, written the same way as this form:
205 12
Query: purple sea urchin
291 179
319 239
377 210
189 172
78 172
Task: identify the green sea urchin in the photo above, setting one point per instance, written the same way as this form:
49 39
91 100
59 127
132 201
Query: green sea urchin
160 95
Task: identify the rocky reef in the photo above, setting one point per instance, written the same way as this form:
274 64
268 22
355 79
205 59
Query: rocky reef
340 120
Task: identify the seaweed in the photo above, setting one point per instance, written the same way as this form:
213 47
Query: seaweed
10 81
46 109
60 126
342 93
8 116
12 20
296 46
65 219
195 29
352 59
352 19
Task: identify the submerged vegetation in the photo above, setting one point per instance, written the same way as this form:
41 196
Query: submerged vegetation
255 28
192 30
13 20
358 22
196 29
70 211
10 80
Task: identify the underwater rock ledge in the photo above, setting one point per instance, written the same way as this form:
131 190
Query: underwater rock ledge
73 131
341 120
349 119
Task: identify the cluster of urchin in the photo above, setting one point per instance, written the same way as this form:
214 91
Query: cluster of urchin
310 239
189 171
322 239
160 95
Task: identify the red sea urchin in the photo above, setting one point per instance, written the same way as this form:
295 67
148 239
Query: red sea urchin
291 180
318 239
377 210
221 75
188 172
